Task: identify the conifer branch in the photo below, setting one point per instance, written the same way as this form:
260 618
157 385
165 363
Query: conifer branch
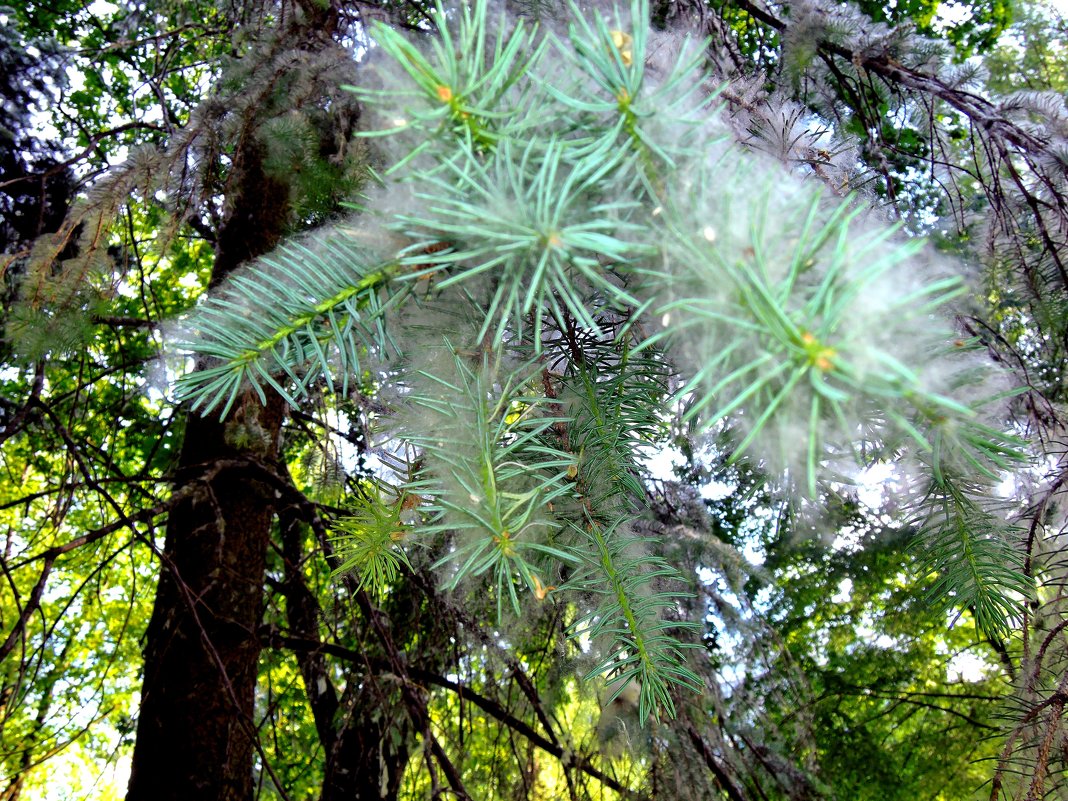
490 479
613 418
307 311
543 200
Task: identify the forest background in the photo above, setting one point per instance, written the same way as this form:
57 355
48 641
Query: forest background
244 599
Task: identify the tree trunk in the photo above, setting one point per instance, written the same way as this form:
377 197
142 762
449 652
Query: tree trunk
365 733
195 731
366 763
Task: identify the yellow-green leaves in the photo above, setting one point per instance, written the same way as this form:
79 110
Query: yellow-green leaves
370 540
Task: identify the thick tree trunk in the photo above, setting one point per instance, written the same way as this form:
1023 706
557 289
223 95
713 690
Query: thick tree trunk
195 728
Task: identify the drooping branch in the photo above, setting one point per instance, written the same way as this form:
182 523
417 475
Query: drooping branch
976 108
487 705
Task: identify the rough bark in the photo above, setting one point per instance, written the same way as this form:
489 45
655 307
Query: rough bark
195 736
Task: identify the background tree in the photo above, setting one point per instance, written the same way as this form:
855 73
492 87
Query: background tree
236 138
